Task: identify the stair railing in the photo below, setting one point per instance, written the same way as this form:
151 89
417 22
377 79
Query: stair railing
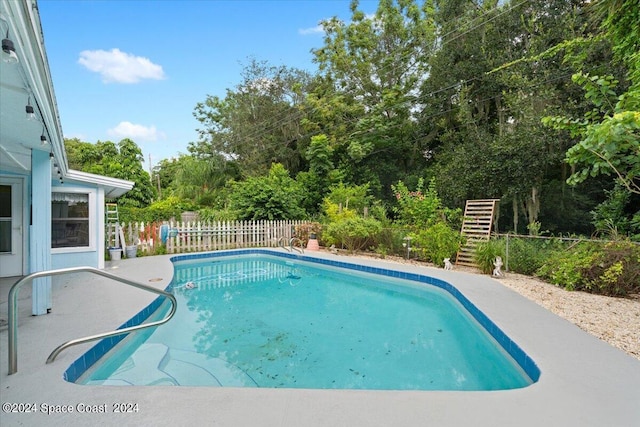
13 312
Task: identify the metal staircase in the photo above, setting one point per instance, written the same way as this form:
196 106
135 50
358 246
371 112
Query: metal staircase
476 227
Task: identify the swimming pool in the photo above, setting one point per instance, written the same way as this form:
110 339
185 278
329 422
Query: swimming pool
261 318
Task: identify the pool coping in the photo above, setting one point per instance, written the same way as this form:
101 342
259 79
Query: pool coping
583 381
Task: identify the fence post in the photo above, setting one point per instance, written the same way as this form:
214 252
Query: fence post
506 255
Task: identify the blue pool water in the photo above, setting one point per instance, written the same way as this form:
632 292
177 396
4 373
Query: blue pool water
264 321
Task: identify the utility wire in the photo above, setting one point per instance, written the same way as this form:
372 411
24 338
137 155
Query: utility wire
290 117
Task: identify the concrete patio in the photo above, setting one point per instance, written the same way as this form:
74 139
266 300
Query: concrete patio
584 381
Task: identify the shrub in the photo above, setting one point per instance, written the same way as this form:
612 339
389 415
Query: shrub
526 256
565 268
212 215
616 271
354 233
423 207
274 196
347 201
612 269
389 241
438 242
486 253
162 210
304 231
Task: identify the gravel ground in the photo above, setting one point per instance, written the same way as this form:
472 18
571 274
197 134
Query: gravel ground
613 320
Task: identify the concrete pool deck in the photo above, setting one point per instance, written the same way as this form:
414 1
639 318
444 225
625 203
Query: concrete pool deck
584 381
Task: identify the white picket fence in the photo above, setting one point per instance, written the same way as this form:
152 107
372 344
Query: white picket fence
182 237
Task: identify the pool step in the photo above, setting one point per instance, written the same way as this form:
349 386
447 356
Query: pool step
141 368
157 364
185 363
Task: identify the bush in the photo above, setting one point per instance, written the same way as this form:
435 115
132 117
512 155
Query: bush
213 215
423 207
354 233
389 241
162 210
486 253
275 196
304 231
526 256
565 268
611 269
617 270
438 242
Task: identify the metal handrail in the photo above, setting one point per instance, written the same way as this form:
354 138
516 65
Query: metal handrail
13 314
300 249
281 244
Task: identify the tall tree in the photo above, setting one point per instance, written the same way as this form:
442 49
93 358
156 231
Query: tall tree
610 133
258 122
123 160
371 70
489 140
198 178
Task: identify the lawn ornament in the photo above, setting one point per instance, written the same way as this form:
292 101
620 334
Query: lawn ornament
498 265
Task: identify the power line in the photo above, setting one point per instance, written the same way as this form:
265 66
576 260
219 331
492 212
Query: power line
290 117
257 133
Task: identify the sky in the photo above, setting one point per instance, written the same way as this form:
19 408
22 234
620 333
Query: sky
136 69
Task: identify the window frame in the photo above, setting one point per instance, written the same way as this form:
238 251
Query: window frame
92 194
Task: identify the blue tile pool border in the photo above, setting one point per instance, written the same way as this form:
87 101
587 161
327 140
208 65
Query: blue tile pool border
91 356
527 364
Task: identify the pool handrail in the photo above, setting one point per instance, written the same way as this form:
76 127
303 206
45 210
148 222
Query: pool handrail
281 244
293 248
13 315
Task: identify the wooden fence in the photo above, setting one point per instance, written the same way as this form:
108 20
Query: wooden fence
182 237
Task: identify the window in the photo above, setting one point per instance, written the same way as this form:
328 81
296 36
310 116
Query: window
5 219
70 223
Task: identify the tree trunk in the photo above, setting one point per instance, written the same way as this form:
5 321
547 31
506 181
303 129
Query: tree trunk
532 206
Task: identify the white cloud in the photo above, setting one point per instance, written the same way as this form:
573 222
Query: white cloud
135 132
120 67
313 30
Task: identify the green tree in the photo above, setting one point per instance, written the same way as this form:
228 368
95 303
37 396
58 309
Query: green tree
347 201
163 176
321 175
492 80
609 132
128 165
422 208
258 122
123 161
274 196
199 178
371 69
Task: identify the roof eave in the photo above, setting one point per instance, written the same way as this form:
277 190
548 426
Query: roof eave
113 187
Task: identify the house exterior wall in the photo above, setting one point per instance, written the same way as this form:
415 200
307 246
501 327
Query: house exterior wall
93 255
